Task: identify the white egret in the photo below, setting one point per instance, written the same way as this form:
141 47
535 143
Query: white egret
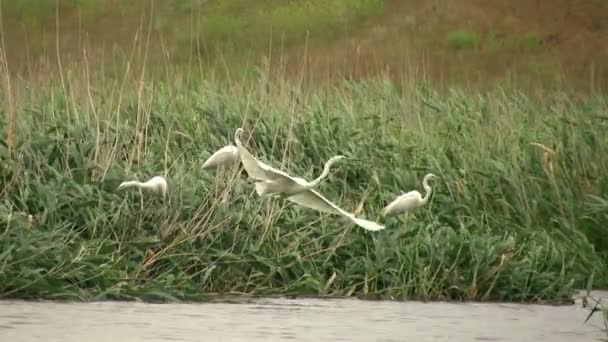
225 156
157 185
272 181
410 200
314 200
276 182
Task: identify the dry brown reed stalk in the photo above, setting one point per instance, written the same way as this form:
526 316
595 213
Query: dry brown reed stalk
111 155
98 137
547 160
11 114
143 108
548 154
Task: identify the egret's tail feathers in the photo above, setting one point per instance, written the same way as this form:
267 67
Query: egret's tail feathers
389 210
368 225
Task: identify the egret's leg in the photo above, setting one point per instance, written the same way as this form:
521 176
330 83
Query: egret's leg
225 196
228 184
225 189
141 199
405 219
223 183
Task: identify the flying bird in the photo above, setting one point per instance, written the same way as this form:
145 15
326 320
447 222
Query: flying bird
314 200
271 181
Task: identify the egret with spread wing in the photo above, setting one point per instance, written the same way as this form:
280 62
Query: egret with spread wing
157 185
271 181
410 200
314 200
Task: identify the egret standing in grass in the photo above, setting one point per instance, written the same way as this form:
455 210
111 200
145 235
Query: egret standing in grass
156 185
411 200
224 157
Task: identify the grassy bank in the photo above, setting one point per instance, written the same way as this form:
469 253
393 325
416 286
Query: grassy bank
505 223
236 31
464 42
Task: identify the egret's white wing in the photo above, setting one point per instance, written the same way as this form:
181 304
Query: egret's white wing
314 200
367 224
410 194
257 169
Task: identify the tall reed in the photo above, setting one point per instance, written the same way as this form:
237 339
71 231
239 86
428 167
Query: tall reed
510 220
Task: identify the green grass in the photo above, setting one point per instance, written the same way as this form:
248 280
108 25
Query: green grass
32 12
235 28
238 28
500 226
462 39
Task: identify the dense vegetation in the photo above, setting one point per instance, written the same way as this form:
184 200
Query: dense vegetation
154 87
509 220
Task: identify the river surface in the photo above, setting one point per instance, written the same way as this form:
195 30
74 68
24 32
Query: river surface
296 319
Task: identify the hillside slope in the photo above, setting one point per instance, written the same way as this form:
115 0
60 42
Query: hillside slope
478 40
472 41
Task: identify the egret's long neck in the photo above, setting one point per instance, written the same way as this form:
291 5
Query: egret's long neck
128 184
145 185
427 188
325 172
237 137
246 157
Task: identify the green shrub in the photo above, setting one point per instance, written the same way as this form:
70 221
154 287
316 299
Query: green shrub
462 39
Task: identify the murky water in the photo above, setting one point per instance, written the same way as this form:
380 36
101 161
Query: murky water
302 320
